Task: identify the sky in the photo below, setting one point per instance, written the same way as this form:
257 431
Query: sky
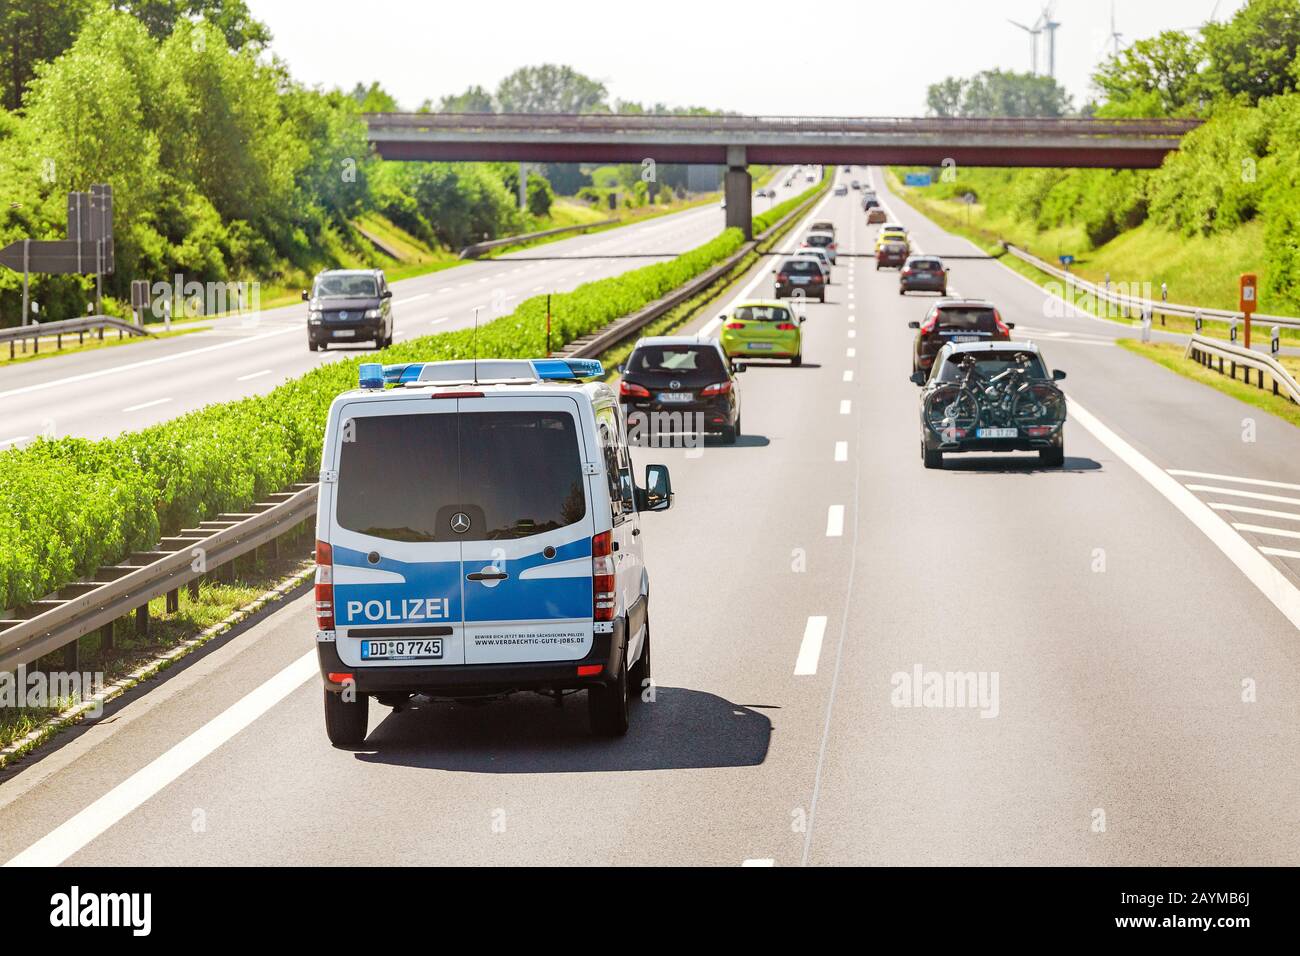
762 57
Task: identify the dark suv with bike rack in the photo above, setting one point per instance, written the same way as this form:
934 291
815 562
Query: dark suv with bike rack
991 396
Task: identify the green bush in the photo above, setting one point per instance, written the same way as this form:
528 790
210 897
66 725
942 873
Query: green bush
70 505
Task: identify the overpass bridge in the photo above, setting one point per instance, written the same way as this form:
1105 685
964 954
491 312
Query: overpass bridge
737 141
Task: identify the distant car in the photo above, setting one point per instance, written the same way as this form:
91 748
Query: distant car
890 232
688 378
821 255
870 201
892 253
840 190
811 178
349 305
821 240
958 321
923 274
848 169
991 396
800 275
856 184
876 214
763 328
823 225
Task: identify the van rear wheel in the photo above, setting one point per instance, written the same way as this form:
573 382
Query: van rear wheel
345 721
607 704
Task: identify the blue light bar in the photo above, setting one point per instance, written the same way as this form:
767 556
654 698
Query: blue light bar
370 375
403 373
548 368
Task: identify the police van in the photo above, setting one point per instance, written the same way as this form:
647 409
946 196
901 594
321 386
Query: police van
478 533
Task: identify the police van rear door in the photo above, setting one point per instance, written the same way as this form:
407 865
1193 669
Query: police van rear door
527 549
397 556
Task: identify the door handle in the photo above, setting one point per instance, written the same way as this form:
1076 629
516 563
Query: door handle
486 576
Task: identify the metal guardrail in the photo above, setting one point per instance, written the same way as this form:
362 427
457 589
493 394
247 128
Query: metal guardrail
478 248
78 327
1141 305
620 330
1206 350
59 620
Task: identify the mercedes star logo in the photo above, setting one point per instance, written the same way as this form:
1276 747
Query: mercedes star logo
460 522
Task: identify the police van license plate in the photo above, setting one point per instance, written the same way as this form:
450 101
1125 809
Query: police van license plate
995 433
675 396
415 649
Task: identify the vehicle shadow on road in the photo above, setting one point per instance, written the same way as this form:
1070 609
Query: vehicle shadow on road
1018 466
681 729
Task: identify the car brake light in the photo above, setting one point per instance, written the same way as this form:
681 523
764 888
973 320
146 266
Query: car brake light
590 670
787 327
1038 431
456 395
735 325
603 603
324 587
717 388
632 390
930 324
1002 329
340 677
819 278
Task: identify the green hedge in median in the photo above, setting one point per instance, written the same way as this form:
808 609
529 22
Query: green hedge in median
70 504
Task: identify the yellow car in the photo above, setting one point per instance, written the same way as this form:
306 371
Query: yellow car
890 233
763 328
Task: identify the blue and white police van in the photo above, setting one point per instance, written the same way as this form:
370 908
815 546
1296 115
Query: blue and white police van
478 533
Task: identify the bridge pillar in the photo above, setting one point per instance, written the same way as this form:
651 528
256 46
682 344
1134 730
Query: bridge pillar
738 191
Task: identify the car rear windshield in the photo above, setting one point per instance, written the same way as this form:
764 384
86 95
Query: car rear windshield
401 477
675 358
823 226
762 313
967 320
800 266
988 364
926 265
820 239
346 287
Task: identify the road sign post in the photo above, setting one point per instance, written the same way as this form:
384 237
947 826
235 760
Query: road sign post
1249 299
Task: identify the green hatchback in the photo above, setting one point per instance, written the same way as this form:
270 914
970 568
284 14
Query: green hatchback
763 328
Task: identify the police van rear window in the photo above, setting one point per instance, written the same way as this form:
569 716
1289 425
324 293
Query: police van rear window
515 473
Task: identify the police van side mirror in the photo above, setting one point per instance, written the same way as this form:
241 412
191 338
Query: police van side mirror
914 325
917 378
387 294
1057 374
657 495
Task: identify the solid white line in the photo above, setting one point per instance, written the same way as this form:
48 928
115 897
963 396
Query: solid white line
845 406
810 649
841 451
447 288
1254 495
245 378
1261 529
848 375
1226 506
1241 481
15 440
835 521
156 401
1281 552
1260 572
759 862
440 321
711 326
70 837
144 363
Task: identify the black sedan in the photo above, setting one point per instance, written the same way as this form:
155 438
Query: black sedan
923 274
680 385
991 396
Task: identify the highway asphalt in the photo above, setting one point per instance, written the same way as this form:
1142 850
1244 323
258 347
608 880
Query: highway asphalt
1134 655
102 392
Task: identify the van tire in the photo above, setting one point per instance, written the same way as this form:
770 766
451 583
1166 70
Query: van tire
640 672
345 722
607 704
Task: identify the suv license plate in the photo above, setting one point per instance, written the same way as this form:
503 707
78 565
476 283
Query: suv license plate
675 396
416 649
964 338
344 333
995 433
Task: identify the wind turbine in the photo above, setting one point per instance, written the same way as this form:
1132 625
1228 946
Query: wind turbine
1114 34
1047 23
1033 32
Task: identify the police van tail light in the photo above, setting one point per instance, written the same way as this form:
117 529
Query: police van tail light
603 599
324 587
